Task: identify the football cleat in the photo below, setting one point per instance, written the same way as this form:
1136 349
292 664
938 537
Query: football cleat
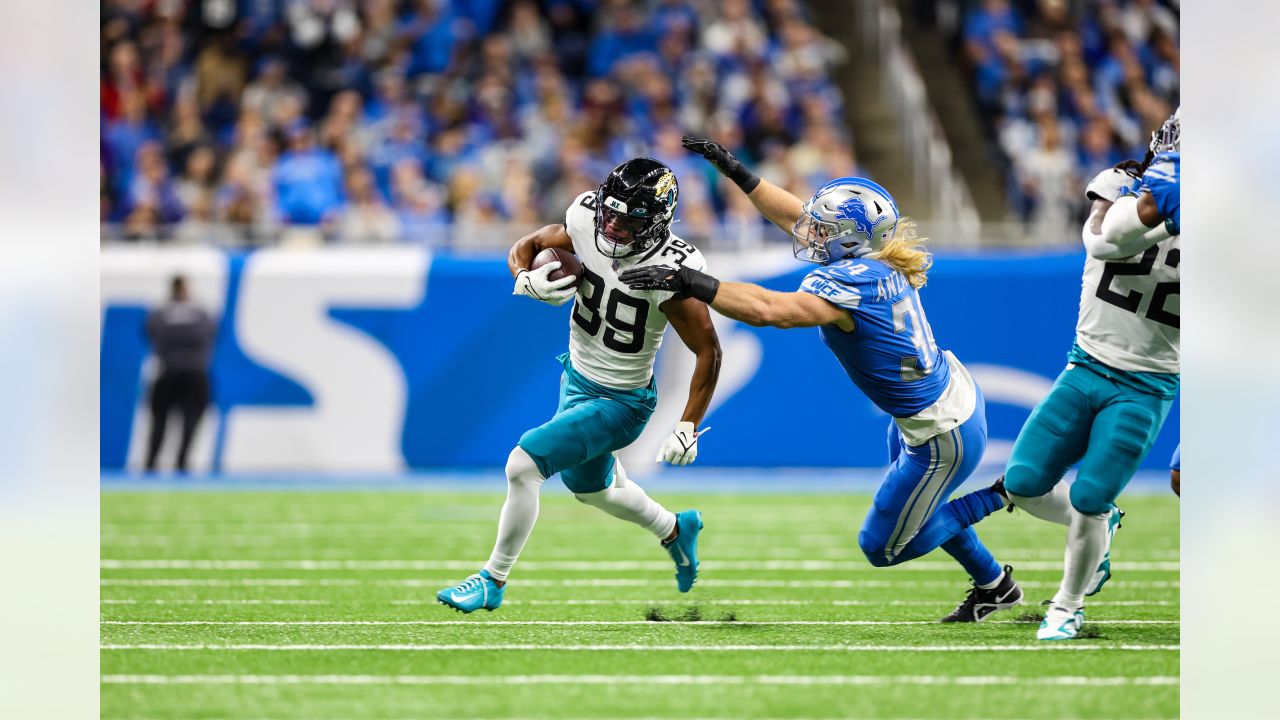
684 549
1103 573
980 604
1060 623
476 592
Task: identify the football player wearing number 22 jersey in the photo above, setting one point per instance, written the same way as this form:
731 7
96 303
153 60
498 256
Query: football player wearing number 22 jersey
1107 407
607 390
864 300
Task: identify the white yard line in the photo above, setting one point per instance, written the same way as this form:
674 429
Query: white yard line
578 601
437 583
1071 647
633 680
574 623
225 601
584 565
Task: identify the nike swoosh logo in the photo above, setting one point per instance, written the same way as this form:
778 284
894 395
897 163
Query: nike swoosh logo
1007 594
464 598
684 559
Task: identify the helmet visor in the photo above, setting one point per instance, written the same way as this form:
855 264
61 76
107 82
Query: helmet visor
809 238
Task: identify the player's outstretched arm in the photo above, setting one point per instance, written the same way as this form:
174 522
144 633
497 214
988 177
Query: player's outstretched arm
693 323
779 206
762 307
744 302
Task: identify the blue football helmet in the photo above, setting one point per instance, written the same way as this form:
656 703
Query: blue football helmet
847 217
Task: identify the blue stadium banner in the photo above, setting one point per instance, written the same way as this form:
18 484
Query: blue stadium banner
385 359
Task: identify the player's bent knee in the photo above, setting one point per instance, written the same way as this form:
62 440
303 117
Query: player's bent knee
874 548
1090 498
521 468
1023 481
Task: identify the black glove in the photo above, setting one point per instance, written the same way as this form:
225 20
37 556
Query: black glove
724 161
684 282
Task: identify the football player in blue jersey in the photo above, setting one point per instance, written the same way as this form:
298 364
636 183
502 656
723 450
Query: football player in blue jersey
1107 407
863 298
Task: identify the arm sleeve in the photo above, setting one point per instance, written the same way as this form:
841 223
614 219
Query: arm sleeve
1123 234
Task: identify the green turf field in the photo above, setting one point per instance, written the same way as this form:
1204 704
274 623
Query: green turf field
321 605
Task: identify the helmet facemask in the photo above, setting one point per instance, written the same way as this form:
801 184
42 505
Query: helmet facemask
620 234
810 236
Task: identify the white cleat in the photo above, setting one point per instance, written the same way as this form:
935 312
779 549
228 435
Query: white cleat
1060 623
1103 573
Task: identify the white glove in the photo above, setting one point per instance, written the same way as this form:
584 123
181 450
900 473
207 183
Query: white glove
535 284
681 446
1108 184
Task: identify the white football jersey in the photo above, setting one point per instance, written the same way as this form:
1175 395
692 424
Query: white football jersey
614 331
1129 310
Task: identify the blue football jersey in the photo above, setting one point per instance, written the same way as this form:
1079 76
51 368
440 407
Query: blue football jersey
1162 179
890 355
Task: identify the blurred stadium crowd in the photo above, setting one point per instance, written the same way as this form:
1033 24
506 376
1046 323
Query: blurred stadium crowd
1067 88
239 121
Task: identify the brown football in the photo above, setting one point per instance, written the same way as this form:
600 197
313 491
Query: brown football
569 264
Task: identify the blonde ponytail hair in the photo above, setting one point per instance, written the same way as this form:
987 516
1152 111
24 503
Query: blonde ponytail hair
906 253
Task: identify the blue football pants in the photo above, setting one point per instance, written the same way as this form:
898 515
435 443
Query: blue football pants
911 515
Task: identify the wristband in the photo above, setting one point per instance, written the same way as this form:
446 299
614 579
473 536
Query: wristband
702 286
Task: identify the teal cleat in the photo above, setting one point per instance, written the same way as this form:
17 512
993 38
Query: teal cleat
1103 573
684 549
1060 623
476 592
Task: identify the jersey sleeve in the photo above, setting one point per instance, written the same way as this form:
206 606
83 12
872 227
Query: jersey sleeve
580 222
836 285
680 254
1162 180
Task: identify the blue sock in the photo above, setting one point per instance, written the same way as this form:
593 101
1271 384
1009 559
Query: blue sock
971 508
973 556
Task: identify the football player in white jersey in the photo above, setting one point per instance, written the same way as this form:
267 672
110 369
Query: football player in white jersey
607 391
1106 409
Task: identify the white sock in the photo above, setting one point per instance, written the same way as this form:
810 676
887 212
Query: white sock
993 583
519 513
1054 506
626 500
1086 544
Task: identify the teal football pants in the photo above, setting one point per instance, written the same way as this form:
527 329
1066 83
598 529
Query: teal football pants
1104 425
591 422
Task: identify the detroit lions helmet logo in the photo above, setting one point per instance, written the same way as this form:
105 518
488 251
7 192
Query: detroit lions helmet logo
854 210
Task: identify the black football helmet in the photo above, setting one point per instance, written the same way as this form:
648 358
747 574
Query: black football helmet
634 207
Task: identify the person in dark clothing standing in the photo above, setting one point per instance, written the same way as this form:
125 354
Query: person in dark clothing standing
182 335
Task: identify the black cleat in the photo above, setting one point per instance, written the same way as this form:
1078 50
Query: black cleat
980 604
